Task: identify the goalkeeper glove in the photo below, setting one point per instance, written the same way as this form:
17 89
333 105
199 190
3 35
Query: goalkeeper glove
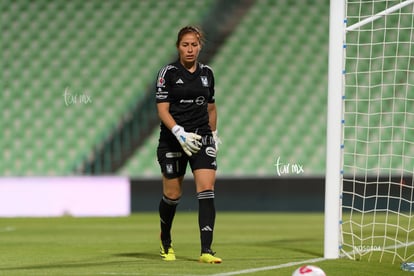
190 142
216 139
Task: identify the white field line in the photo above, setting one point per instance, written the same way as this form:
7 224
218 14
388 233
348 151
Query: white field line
257 269
274 267
244 271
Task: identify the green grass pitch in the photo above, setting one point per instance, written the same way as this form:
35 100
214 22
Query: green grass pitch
249 243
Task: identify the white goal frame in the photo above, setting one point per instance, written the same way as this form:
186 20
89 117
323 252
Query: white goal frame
336 87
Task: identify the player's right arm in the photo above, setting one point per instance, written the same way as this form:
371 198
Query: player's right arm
163 96
164 114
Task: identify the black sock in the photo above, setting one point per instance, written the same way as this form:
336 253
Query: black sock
167 209
206 219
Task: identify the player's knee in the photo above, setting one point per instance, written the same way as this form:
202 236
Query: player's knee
172 194
171 200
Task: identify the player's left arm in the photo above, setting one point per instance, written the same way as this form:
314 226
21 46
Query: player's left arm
212 113
212 116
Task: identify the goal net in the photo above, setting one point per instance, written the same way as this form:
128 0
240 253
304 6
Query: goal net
378 131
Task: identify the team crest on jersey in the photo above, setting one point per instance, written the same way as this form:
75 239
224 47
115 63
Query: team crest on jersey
204 81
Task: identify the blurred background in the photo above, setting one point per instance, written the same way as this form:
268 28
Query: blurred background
78 93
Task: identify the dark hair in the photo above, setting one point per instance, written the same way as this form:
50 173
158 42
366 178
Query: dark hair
190 29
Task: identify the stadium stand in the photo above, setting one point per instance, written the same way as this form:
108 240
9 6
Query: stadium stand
379 96
72 68
271 92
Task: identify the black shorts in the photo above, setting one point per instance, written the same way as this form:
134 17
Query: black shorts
173 160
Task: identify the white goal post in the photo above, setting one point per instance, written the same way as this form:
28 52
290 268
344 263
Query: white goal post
369 189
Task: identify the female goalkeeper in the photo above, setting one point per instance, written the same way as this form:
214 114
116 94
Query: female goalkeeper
187 110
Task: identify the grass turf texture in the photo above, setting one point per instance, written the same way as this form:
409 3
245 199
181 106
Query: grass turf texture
129 246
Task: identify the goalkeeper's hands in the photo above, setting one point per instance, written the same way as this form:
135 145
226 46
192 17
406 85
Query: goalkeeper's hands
190 142
216 139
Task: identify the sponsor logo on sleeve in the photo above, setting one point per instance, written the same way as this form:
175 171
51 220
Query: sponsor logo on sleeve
161 82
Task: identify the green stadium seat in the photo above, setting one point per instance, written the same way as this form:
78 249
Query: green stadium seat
106 48
271 79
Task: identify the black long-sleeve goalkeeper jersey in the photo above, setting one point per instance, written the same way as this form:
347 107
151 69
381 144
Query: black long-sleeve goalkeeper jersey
188 94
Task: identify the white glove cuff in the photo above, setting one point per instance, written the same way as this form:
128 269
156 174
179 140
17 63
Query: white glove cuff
176 128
